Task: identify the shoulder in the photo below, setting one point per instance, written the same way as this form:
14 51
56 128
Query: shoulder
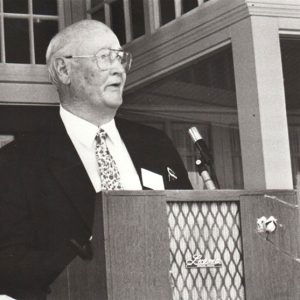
25 147
139 130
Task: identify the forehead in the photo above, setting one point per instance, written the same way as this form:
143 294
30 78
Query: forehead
96 39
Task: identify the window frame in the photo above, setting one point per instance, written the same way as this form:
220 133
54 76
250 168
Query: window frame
31 72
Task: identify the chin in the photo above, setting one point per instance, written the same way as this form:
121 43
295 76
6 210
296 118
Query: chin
114 102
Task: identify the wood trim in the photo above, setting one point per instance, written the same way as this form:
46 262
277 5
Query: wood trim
276 8
147 17
62 21
78 10
155 67
31 33
194 29
24 73
198 23
178 8
261 104
271 268
2 35
67 12
181 41
205 195
127 20
289 25
107 13
155 14
28 93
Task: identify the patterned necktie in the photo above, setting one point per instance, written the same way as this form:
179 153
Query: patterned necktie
109 174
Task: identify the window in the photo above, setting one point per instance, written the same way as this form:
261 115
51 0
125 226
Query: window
290 49
125 18
26 29
117 20
171 9
138 18
167 11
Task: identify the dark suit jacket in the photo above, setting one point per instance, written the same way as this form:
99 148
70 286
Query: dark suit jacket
47 201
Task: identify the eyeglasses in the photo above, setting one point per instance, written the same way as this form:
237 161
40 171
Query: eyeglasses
106 56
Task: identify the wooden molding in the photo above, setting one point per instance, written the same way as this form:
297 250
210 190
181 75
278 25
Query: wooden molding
24 73
183 38
274 8
199 32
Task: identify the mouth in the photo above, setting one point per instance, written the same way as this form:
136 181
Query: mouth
114 85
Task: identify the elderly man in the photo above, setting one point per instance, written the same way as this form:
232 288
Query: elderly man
49 180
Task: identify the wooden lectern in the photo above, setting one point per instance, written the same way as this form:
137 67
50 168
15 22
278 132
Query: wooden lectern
161 245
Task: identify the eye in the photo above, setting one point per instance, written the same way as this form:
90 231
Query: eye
118 55
102 55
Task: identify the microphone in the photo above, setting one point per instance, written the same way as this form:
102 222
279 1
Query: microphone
200 144
205 163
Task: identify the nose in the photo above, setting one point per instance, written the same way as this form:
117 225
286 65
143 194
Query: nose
117 67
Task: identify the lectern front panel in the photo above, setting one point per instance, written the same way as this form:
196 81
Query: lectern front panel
189 245
206 260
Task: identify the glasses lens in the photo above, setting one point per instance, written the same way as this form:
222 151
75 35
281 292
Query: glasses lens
103 59
127 60
106 57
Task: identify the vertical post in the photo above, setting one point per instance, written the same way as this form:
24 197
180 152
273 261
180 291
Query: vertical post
78 10
107 13
3 55
31 32
261 104
178 8
127 20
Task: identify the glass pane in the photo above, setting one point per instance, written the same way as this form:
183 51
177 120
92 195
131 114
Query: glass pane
45 7
117 19
16 41
96 2
188 5
15 6
138 20
290 51
43 32
201 94
167 11
99 15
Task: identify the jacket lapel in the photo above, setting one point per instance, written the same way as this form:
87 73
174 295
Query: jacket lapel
132 143
70 173
138 145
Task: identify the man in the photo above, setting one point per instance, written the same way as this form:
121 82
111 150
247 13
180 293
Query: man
49 180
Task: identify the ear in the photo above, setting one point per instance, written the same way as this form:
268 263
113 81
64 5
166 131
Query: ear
62 69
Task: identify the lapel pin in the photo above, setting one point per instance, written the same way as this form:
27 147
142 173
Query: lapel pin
171 174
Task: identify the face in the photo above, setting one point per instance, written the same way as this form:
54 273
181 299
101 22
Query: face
91 88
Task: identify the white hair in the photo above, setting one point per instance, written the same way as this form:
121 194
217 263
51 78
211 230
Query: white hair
66 41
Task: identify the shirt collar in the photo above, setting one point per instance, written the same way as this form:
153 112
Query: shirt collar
111 130
84 131
78 128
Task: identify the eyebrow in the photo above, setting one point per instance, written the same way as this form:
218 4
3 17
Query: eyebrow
119 49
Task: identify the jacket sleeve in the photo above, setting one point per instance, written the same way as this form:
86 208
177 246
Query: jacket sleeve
25 270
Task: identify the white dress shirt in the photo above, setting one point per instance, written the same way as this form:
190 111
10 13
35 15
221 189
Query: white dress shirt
82 134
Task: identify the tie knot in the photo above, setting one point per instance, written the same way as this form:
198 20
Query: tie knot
101 134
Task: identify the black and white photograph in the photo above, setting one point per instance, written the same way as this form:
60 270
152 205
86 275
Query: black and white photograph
150 149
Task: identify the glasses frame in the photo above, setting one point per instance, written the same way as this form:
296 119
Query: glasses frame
126 54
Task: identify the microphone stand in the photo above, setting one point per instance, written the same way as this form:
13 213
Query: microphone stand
205 163
203 172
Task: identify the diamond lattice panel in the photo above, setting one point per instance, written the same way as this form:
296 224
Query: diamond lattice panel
210 229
